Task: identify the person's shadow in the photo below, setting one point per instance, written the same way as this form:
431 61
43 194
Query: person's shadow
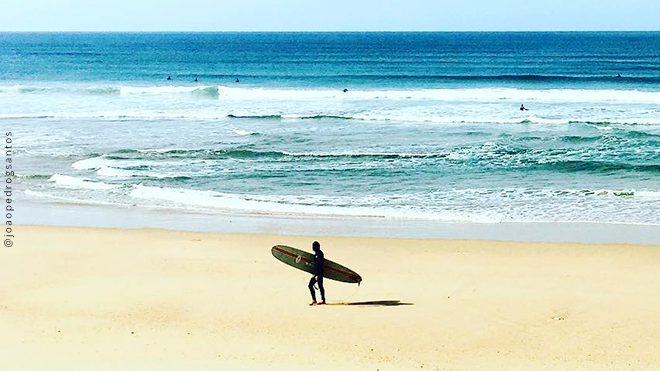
376 303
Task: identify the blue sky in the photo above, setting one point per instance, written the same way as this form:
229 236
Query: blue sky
328 15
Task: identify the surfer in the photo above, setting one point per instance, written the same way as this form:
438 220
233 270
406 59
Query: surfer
319 260
196 79
522 108
618 75
237 80
345 90
169 77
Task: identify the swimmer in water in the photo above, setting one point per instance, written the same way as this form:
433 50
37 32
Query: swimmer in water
169 77
522 108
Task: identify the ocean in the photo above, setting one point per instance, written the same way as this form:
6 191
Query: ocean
408 126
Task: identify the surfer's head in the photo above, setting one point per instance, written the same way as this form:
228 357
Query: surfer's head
316 246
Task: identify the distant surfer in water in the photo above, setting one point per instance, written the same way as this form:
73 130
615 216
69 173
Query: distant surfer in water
319 260
522 108
618 75
345 90
237 80
169 77
195 79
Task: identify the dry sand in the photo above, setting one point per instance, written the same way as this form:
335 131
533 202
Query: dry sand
109 299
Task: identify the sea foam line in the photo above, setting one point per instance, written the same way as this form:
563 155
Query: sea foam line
440 94
373 117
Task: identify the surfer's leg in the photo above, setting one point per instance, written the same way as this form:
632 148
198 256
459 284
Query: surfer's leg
321 289
311 288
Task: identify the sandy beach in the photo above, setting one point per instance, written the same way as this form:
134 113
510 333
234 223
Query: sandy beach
112 299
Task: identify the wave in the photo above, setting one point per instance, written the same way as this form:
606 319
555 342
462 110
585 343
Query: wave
321 117
447 94
103 90
554 193
634 134
128 164
267 205
238 153
34 176
93 163
293 116
578 139
260 117
79 183
601 125
32 89
208 92
393 206
211 91
24 116
169 89
242 132
421 118
500 157
439 94
112 172
574 166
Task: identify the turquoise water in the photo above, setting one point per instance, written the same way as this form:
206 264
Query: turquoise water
430 127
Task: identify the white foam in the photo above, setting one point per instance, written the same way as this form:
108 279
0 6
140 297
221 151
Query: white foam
444 94
108 171
292 205
93 163
102 90
242 132
164 150
25 89
361 153
464 205
471 94
79 183
647 195
116 168
158 89
37 194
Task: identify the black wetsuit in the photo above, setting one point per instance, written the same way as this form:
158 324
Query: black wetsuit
319 260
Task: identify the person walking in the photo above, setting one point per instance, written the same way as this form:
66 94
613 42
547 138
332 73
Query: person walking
319 260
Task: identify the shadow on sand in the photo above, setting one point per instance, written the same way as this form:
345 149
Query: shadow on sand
378 303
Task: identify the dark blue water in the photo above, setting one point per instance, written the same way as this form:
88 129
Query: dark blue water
339 59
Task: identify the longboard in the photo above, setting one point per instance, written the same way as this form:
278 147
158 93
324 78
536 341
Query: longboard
305 262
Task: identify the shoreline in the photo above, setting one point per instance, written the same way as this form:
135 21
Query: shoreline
155 299
106 216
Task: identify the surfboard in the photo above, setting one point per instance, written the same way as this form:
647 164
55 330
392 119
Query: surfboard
305 262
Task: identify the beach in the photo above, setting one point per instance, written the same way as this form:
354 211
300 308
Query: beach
144 299
497 192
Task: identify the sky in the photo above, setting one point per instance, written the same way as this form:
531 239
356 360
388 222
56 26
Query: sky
329 15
